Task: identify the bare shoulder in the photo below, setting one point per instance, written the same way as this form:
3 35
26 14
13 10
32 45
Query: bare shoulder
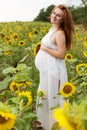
60 34
60 38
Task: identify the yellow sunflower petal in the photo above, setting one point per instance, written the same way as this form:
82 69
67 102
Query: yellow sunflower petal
37 47
58 115
26 97
7 120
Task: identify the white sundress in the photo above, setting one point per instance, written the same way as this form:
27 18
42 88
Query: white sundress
52 72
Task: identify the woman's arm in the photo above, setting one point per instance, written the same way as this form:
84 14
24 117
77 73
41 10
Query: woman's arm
61 44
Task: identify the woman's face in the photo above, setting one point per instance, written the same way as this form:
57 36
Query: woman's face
57 17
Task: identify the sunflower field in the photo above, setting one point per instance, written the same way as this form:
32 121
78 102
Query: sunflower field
19 78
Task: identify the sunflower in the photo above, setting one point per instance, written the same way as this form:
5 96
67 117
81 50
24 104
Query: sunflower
69 117
67 89
6 38
22 85
59 116
80 68
68 57
15 36
26 97
14 87
7 52
9 43
40 93
21 43
27 83
2 35
7 120
37 47
85 54
85 42
77 35
30 36
35 31
43 30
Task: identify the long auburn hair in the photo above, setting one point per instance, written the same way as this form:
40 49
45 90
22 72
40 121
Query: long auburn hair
67 25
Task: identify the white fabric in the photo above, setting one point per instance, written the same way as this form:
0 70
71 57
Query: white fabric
52 73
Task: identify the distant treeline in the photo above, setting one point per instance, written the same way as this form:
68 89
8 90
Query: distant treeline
78 13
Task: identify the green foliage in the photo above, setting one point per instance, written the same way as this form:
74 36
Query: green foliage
77 14
5 82
44 15
17 66
55 126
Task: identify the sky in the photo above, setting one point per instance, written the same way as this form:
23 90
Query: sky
27 10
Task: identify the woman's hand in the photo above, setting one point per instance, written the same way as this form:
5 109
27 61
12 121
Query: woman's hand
43 47
55 53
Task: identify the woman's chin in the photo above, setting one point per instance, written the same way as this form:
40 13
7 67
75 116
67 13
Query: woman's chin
52 21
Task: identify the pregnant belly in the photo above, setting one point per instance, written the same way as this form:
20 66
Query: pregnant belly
41 60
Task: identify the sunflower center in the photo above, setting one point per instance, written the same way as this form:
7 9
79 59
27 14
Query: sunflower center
37 49
21 43
68 57
67 89
2 120
15 88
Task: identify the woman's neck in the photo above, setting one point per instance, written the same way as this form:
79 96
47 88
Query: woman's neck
56 27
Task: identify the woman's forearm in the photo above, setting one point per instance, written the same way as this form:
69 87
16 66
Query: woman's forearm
54 53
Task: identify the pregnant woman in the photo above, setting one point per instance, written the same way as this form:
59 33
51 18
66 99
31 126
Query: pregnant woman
50 62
